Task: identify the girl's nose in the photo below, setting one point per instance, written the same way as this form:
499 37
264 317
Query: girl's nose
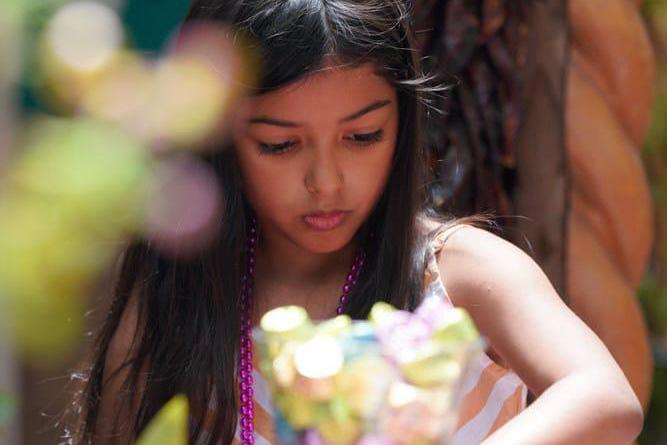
324 177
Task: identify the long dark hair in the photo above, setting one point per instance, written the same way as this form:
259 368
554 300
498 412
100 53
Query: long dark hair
187 336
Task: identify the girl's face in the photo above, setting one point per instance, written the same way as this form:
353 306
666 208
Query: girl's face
315 156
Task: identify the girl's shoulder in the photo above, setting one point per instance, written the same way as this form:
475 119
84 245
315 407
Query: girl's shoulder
475 261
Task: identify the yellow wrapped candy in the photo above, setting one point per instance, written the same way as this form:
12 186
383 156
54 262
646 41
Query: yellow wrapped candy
455 327
317 361
433 365
284 324
334 326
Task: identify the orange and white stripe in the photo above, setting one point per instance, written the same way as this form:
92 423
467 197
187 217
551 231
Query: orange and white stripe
492 396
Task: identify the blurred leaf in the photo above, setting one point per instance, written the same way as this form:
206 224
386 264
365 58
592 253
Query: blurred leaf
45 327
89 166
169 426
653 299
74 192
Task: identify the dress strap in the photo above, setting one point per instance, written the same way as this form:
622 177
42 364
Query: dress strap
441 234
438 235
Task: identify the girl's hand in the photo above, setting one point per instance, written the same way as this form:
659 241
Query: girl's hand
583 396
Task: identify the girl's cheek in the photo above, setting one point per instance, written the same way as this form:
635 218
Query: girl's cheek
274 189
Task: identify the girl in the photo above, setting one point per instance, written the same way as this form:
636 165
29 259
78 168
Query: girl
324 172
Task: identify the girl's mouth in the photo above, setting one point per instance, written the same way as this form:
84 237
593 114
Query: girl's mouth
325 220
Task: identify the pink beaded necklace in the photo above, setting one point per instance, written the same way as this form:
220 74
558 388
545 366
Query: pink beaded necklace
247 409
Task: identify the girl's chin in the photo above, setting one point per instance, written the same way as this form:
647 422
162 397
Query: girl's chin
325 242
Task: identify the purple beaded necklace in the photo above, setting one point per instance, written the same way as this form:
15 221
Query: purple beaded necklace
245 357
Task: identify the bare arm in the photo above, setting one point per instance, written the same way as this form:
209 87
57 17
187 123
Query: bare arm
583 396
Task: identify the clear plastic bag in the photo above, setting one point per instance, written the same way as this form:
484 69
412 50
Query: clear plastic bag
345 382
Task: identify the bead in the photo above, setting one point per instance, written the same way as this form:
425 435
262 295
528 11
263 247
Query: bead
343 299
339 310
346 288
349 277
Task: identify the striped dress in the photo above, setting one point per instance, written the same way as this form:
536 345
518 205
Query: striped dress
493 394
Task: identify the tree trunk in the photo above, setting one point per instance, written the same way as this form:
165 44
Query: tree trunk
541 194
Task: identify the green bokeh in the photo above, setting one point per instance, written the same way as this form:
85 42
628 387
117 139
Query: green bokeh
149 25
7 411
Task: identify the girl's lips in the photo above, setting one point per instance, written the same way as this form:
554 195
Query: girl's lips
325 220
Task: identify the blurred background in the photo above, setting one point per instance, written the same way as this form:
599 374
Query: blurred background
559 115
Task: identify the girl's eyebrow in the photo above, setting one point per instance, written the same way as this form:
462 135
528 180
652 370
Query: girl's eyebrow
357 114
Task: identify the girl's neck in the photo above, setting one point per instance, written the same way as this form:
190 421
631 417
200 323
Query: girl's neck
288 274
282 261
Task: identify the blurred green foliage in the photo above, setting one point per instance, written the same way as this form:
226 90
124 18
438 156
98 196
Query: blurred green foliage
653 290
7 409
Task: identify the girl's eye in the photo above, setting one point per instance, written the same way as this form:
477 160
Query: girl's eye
368 138
358 139
275 149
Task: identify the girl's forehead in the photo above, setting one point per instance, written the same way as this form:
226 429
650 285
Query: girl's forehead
331 92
